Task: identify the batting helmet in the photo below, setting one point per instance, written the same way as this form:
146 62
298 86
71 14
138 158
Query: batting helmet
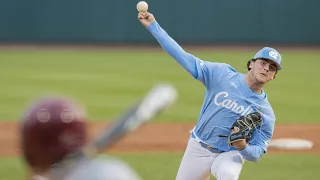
51 128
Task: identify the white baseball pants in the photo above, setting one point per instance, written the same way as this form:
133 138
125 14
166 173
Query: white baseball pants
199 163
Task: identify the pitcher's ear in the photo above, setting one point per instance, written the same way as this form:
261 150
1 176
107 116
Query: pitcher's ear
250 64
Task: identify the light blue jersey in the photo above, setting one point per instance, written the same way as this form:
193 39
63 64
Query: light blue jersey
227 97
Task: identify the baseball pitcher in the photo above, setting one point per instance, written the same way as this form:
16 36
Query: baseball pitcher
236 121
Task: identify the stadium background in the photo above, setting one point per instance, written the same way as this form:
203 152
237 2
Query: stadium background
98 52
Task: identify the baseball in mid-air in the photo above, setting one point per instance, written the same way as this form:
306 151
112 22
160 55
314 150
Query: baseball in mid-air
142 6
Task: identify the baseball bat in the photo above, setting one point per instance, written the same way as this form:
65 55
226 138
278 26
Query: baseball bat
157 100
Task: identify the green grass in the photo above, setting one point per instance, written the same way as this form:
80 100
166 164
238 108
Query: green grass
107 82
12 169
279 167
162 166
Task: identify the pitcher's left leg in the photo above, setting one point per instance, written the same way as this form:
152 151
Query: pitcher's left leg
227 166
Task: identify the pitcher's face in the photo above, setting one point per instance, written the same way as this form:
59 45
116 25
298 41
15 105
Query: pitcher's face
263 70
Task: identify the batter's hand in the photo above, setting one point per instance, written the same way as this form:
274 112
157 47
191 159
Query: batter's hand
146 18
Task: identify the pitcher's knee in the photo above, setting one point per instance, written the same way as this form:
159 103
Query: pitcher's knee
227 174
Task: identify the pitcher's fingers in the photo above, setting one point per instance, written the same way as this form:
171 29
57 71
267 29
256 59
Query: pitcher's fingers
145 14
140 16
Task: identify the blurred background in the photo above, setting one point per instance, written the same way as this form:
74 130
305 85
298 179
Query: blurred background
98 52
211 21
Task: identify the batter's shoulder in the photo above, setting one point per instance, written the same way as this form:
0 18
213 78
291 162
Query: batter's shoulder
103 168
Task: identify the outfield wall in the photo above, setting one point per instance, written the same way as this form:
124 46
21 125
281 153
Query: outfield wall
202 21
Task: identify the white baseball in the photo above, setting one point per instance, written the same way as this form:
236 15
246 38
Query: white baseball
142 6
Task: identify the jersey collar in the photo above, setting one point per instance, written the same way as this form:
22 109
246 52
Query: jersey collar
247 91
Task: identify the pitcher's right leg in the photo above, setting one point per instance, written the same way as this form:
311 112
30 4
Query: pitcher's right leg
196 162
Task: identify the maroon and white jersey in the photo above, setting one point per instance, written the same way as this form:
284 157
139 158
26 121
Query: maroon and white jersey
93 169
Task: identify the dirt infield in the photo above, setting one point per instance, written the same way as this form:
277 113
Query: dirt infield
162 137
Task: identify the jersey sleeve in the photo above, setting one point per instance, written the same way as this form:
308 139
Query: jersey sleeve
210 73
207 72
262 135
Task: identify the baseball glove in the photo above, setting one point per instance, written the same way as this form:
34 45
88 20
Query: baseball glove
243 127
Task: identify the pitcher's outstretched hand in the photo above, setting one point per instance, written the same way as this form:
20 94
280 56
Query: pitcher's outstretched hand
146 18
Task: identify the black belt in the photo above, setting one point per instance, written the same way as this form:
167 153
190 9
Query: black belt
206 146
